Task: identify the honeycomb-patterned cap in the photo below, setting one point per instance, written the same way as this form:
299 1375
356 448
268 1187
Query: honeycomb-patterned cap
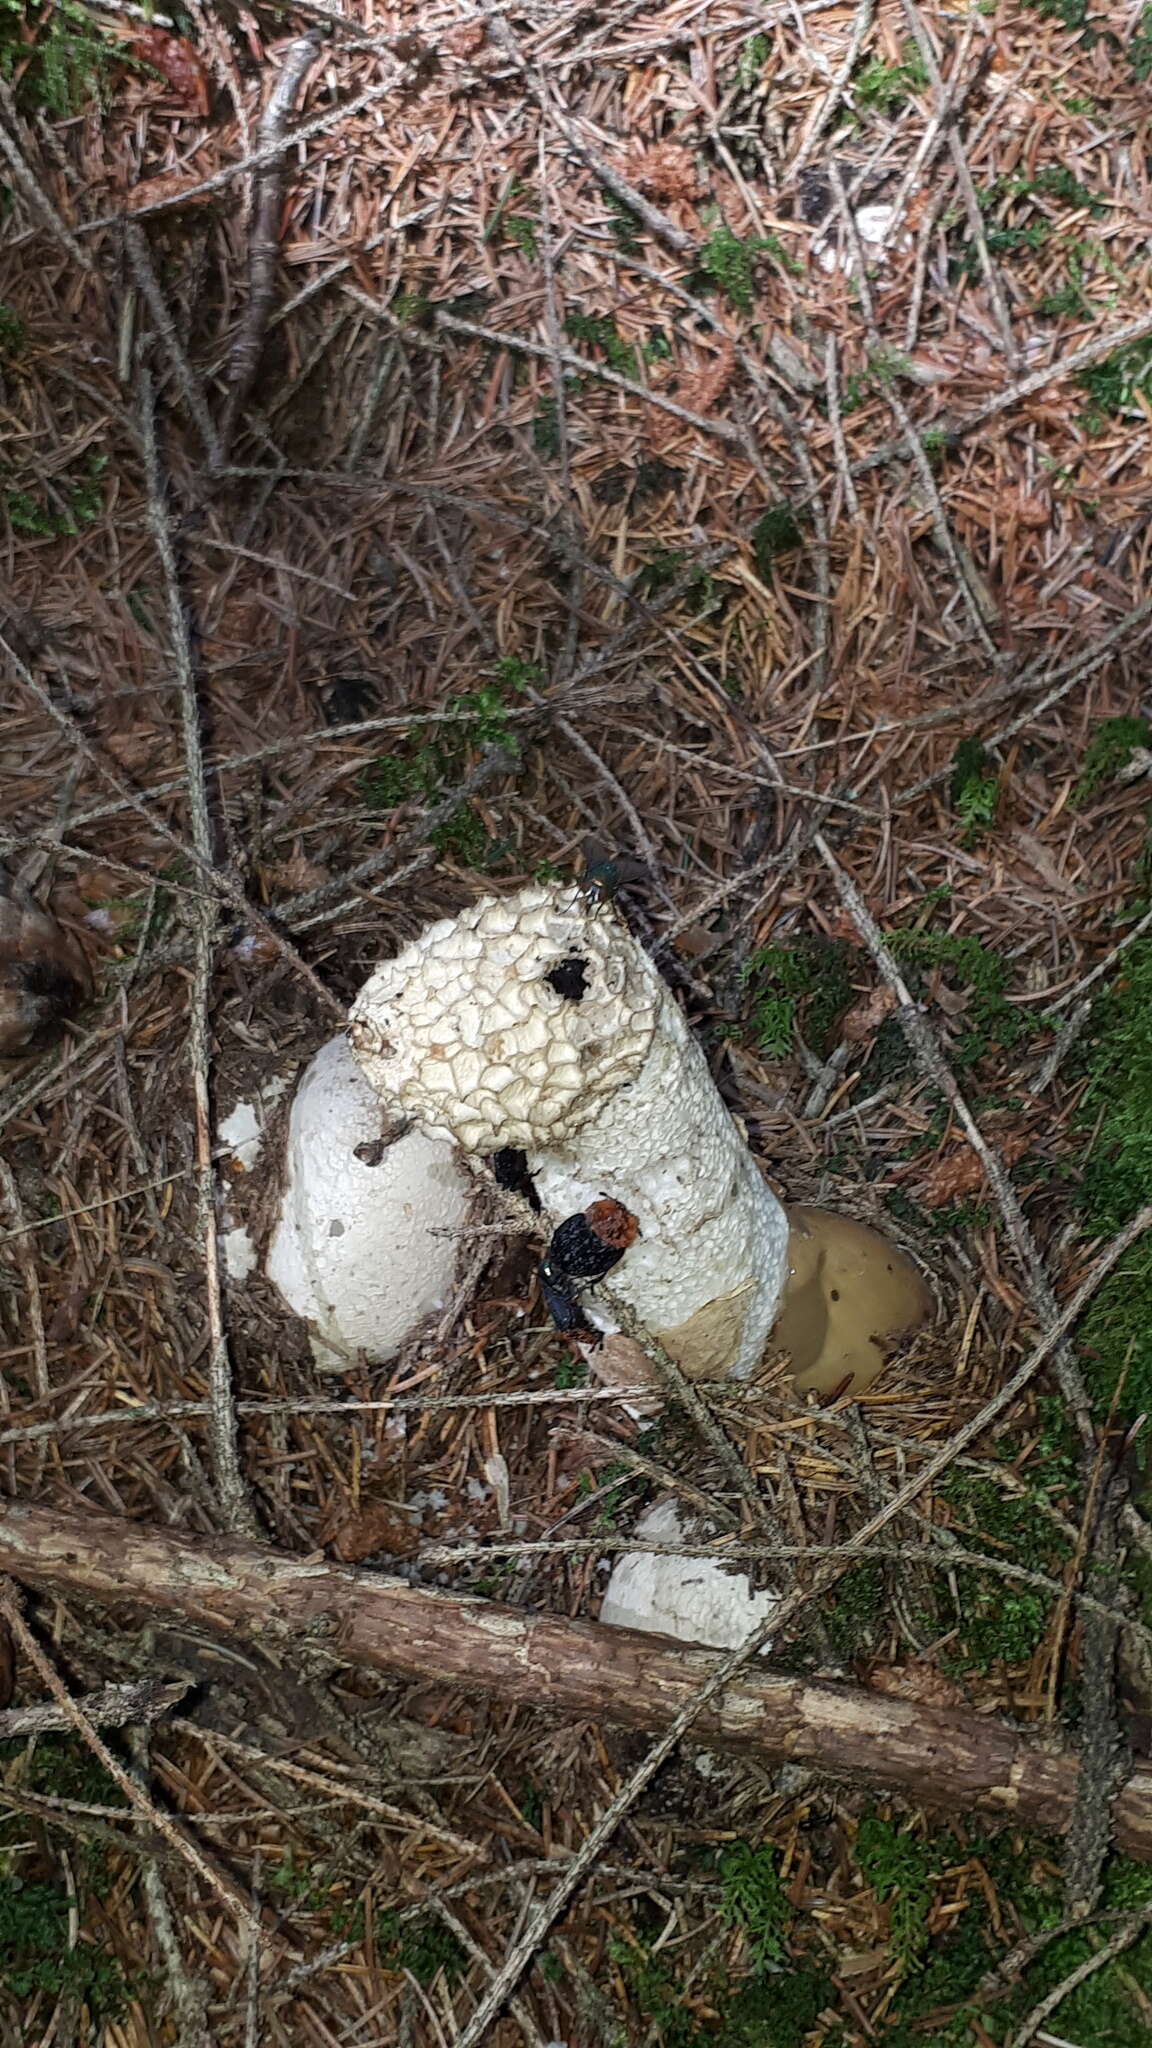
513 1023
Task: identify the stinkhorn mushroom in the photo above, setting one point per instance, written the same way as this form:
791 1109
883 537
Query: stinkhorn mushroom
533 1029
365 1246
535 1022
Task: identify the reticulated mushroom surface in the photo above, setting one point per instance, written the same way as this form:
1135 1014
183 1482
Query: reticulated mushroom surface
512 1024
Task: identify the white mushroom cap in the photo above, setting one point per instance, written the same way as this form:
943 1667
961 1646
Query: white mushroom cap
465 1031
355 1251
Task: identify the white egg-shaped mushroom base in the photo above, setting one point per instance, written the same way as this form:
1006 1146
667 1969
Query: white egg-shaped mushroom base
606 1092
362 1252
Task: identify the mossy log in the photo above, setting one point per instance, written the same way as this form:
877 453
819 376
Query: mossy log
933 1755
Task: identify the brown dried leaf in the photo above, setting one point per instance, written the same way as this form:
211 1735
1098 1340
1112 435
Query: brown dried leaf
695 942
296 875
920 1682
1032 512
378 1526
698 389
868 1014
176 60
619 1362
174 188
666 171
465 40
959 1173
7 1665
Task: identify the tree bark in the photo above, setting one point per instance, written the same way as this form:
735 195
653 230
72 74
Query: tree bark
934 1755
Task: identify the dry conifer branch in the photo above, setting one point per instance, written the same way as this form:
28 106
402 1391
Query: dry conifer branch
1129 1931
255 161
264 236
923 41
221 881
680 1389
114 1706
717 427
826 108
657 223
188 1993
945 539
235 1500
188 382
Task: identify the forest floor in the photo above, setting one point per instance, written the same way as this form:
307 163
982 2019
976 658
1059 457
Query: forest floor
714 436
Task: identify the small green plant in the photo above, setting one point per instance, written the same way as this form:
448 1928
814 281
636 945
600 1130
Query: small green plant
522 233
753 58
880 88
901 1873
753 1900
35 1955
1108 751
598 331
1071 14
974 788
655 1987
700 598
54 55
412 309
1139 50
546 426
886 365
625 224
853 1614
805 986
13 333
1116 385
517 228
424 767
1002 1622
612 1502
727 265
465 837
79 501
296 1884
990 1021
423 1945
571 1372
776 532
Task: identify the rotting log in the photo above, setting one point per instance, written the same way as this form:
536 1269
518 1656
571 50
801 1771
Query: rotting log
933 1755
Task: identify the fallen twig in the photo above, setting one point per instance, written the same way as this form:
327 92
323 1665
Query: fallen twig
264 237
235 1501
114 1706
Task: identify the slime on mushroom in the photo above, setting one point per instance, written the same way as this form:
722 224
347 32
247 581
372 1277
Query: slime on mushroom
533 1030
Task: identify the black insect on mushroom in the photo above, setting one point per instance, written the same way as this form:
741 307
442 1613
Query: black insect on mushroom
604 873
583 1249
510 1172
